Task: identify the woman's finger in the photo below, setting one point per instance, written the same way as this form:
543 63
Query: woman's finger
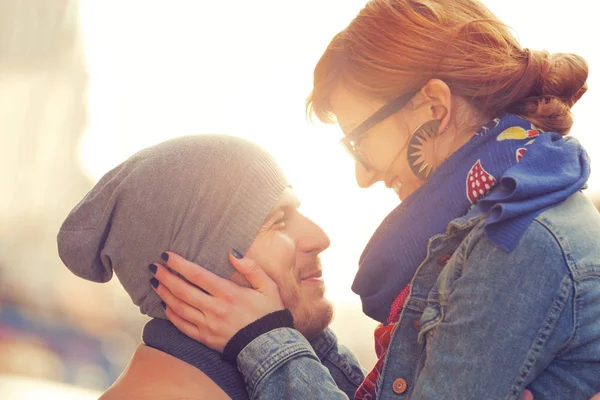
181 289
203 278
184 326
190 313
254 274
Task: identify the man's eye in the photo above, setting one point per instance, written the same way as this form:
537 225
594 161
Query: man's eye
279 224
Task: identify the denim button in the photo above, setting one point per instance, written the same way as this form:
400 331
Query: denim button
443 259
416 325
399 386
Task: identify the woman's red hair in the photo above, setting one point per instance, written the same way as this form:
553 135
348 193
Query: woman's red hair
396 46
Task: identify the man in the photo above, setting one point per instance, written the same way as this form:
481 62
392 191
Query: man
201 196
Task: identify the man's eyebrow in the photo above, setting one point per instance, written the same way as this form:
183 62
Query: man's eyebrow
273 212
283 208
295 204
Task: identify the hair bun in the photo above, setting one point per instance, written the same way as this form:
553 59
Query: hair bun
547 89
561 75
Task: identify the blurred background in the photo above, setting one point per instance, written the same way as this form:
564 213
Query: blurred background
85 84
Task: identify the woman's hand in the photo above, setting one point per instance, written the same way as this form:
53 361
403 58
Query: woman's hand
213 314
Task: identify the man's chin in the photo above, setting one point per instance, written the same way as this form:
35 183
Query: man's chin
313 287
312 320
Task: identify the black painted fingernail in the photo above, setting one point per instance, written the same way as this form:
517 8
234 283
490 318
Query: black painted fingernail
236 254
163 305
154 282
152 269
165 256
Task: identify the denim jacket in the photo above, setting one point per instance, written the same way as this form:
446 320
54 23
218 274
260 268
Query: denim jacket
340 362
479 323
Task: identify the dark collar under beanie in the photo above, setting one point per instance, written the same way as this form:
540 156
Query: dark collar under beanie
162 335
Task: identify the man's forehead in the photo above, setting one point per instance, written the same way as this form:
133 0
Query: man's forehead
288 199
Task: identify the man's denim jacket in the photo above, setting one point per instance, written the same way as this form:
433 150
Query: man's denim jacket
486 325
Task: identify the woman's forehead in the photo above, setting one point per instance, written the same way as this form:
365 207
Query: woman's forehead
350 108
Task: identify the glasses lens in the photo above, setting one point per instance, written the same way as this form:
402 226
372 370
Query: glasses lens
350 146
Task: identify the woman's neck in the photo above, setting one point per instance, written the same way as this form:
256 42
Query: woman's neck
465 121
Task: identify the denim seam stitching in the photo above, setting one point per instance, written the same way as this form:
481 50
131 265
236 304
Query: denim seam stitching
586 271
561 241
323 346
542 338
577 306
417 305
280 356
425 328
271 364
348 373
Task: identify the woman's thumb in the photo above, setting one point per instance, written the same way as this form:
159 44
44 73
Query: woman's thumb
253 273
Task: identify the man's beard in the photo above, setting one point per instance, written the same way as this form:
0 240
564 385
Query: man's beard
311 318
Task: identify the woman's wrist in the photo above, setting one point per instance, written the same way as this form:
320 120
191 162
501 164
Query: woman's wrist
274 320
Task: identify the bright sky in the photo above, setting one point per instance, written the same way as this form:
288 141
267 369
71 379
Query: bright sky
162 69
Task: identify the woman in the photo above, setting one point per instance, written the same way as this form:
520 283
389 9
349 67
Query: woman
486 278
202 196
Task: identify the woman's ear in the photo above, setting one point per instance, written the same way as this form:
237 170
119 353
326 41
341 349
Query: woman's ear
439 101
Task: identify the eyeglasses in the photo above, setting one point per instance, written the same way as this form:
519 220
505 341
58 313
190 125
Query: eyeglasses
350 141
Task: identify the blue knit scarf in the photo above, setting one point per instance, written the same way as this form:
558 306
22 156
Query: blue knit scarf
532 170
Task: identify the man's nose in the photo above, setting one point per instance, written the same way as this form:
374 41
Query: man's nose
315 239
366 177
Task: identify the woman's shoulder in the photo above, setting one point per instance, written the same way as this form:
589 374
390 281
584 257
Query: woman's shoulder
566 237
574 225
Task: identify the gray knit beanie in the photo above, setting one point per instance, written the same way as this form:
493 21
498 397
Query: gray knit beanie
199 196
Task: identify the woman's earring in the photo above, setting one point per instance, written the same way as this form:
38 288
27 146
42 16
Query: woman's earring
421 149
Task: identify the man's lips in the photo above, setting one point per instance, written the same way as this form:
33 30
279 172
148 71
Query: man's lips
314 275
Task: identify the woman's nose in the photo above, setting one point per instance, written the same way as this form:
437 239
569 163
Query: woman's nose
366 177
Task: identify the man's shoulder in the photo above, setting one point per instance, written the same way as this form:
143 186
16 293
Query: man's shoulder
153 374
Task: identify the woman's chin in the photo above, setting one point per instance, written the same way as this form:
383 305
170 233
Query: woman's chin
407 189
